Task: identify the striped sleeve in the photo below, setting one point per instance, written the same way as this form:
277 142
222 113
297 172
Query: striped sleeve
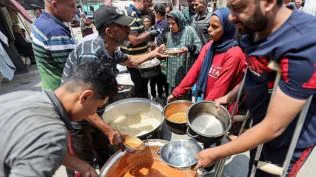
137 26
60 47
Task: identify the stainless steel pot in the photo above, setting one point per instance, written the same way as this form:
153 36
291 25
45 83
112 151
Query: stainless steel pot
208 122
135 116
173 108
122 163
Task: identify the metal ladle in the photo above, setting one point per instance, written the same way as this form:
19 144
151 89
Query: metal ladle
133 143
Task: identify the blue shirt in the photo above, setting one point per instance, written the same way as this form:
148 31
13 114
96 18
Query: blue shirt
163 27
293 46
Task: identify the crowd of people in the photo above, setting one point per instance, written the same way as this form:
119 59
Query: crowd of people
62 125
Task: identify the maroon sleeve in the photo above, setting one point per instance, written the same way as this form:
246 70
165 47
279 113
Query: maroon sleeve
231 74
192 75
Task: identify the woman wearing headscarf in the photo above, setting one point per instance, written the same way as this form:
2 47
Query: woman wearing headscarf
220 65
185 37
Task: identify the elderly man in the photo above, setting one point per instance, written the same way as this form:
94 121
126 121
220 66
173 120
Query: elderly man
113 29
201 20
272 34
138 43
34 125
52 40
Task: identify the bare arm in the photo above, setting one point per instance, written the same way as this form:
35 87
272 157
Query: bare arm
135 40
281 112
135 60
81 166
229 97
96 121
113 135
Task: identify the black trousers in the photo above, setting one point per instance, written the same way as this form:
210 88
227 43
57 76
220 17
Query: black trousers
162 85
140 84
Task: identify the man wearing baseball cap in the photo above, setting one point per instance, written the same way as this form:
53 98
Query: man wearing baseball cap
113 28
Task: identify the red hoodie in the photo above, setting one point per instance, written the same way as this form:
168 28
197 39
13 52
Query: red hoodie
226 72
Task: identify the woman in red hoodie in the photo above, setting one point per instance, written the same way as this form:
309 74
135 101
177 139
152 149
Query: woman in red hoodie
220 65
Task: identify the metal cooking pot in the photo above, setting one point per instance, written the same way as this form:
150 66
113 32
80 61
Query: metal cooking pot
207 123
125 116
176 107
122 163
150 68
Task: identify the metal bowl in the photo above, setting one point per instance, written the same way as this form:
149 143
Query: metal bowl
173 52
180 153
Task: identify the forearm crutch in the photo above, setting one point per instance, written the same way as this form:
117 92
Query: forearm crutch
272 168
240 118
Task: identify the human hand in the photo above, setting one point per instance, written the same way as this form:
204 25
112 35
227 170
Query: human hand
154 33
115 137
205 158
159 51
120 87
170 98
184 50
88 171
221 101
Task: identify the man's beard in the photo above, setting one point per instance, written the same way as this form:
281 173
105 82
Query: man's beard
256 23
121 42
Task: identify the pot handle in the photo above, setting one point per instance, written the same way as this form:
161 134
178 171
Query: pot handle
159 152
190 134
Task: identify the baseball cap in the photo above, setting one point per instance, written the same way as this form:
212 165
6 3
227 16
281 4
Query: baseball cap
106 15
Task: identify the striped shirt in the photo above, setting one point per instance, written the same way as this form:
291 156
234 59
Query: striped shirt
92 49
52 43
137 28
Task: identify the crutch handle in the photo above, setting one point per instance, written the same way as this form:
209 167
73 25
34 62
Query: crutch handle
274 66
239 118
270 168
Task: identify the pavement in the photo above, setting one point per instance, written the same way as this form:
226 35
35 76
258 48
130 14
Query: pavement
236 166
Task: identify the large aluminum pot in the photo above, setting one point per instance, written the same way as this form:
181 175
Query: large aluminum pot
176 107
134 116
207 122
142 163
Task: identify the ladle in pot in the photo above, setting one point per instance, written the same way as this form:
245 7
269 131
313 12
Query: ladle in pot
132 143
